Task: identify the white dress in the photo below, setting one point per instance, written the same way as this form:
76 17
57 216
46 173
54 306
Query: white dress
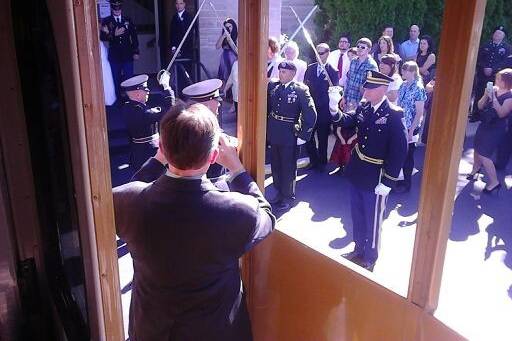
108 82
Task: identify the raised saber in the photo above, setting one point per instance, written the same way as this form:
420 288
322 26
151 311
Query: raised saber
293 35
228 35
310 42
298 28
178 49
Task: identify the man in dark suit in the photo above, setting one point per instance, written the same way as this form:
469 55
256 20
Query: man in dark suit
291 117
185 236
123 49
375 163
142 119
317 80
180 22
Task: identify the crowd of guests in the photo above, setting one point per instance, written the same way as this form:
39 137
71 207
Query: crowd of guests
411 66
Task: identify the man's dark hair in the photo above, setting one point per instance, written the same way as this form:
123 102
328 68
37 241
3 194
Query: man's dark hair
345 35
188 135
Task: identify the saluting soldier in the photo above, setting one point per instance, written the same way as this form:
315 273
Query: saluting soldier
375 162
141 119
290 121
121 34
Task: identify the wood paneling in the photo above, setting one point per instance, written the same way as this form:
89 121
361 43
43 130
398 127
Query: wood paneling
93 111
461 30
310 297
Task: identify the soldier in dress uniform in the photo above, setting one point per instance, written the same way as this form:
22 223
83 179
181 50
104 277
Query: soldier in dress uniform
375 162
290 121
142 120
491 57
121 34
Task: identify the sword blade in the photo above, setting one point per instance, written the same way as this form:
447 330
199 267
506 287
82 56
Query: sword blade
178 49
310 42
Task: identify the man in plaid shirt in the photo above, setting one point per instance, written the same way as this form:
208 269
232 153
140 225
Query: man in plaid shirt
359 68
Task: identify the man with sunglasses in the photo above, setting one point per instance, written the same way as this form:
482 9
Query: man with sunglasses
358 70
317 78
142 119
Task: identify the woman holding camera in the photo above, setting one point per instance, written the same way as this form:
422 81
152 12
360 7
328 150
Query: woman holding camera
495 106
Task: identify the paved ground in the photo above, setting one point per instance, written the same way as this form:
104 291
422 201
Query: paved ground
476 293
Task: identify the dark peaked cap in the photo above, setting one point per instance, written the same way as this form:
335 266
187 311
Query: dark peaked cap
374 79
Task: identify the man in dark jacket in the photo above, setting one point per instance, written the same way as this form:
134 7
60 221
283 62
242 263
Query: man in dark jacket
375 163
317 80
185 236
121 34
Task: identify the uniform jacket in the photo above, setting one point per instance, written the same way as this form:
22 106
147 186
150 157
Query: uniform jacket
382 144
121 47
177 32
290 103
141 119
319 87
493 55
185 238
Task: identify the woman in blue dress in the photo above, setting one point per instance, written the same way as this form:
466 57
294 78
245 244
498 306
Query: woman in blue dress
496 104
411 98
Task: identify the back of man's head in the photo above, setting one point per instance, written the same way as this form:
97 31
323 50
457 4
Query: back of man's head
189 135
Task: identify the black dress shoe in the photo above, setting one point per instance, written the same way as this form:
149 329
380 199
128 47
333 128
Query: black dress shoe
367 265
352 256
490 190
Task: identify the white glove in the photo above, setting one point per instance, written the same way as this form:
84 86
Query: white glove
334 99
300 141
382 189
164 79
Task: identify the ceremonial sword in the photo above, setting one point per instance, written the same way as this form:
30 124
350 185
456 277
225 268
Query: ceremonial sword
178 49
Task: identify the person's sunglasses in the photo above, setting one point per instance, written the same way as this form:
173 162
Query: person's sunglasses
362 47
344 41
322 52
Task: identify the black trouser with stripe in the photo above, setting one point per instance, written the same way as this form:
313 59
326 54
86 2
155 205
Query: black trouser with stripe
367 210
283 162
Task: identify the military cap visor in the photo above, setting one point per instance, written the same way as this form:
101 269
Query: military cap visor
374 79
287 65
139 82
204 91
116 4
500 28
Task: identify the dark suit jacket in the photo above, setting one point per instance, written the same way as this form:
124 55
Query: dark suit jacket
185 238
319 87
177 31
381 136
